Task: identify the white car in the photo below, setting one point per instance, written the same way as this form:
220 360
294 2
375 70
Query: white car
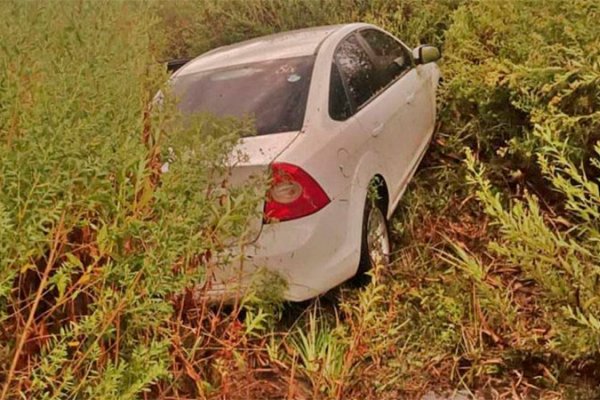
338 110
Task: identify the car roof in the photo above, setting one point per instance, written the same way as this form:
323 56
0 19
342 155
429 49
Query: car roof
297 43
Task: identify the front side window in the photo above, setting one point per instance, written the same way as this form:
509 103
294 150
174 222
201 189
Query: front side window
357 69
391 58
273 93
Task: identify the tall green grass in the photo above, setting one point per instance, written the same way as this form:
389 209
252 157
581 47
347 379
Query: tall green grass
96 244
193 27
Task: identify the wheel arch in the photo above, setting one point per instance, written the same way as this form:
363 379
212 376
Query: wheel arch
381 191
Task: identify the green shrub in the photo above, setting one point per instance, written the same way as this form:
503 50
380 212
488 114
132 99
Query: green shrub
522 90
194 27
511 65
96 244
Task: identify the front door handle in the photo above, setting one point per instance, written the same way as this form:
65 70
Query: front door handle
377 130
410 98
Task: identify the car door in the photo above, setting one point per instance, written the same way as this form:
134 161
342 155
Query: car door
398 116
351 85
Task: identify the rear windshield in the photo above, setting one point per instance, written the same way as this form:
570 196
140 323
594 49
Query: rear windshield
272 92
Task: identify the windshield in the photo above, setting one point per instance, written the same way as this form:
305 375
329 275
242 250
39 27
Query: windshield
272 92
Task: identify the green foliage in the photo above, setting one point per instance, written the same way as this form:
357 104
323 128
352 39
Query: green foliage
96 242
514 64
194 27
520 264
522 92
494 284
320 351
551 84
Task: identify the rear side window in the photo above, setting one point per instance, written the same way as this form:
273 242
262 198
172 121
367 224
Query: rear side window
391 58
357 70
339 105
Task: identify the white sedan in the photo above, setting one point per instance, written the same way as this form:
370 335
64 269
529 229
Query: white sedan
338 110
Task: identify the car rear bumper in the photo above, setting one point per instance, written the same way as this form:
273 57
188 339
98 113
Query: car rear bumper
312 254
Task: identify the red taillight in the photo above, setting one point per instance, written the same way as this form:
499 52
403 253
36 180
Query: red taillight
293 194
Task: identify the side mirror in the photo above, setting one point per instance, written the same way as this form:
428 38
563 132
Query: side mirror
425 54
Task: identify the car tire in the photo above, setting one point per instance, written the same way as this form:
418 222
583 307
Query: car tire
375 239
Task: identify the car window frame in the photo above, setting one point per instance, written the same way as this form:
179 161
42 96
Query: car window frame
371 53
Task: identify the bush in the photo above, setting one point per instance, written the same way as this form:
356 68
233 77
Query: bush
194 27
530 94
96 244
522 91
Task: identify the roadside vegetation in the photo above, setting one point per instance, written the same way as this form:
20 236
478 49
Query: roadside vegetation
495 284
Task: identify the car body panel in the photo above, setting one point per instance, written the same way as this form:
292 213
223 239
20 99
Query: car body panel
398 121
261 150
319 245
281 45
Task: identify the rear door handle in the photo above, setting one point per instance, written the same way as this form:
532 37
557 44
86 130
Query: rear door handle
377 130
410 98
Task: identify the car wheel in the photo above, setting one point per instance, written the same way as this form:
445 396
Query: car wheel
375 246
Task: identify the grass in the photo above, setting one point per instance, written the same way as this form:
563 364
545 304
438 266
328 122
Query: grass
494 286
